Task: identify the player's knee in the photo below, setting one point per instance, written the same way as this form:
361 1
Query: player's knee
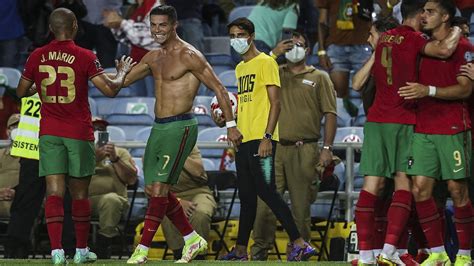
420 193
459 192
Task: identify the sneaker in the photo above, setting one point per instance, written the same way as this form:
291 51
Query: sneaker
437 259
233 256
356 262
192 247
394 260
409 260
421 256
463 260
58 257
139 256
301 254
86 257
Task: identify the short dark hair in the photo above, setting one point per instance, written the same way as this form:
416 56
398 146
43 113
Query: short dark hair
165 10
300 33
411 8
243 24
385 23
448 6
459 21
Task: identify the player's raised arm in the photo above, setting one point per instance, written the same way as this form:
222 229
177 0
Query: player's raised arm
110 86
203 71
446 47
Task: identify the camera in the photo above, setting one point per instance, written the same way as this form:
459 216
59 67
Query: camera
103 138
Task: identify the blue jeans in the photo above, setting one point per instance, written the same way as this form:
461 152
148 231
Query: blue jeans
348 57
190 30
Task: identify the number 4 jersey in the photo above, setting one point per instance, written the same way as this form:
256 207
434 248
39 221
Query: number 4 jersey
61 71
395 65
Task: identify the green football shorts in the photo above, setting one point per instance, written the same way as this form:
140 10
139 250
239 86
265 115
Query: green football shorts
386 148
443 157
168 147
59 155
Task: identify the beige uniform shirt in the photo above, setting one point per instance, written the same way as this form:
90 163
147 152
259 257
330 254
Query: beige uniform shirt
305 97
9 176
106 180
189 184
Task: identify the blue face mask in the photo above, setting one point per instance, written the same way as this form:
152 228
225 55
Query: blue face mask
240 45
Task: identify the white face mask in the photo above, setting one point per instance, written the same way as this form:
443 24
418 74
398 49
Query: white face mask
240 45
13 134
296 54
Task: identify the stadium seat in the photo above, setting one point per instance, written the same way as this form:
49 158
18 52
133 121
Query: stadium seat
203 101
209 165
343 117
220 62
228 78
241 11
130 123
320 223
359 121
9 77
135 105
93 106
105 105
141 135
217 44
222 182
116 133
212 134
204 121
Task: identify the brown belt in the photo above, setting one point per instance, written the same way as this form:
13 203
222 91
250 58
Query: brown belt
285 142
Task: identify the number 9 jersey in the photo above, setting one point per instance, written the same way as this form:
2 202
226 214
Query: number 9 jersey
395 65
61 71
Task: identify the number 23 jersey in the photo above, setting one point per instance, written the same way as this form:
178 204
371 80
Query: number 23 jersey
395 65
61 71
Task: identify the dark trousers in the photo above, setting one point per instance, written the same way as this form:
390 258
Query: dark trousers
29 195
256 177
101 39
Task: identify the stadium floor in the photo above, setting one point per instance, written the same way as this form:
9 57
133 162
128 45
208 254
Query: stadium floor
160 262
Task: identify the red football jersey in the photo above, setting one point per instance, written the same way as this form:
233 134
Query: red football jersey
436 116
395 65
61 71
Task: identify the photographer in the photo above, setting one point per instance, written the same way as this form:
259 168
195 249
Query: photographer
114 171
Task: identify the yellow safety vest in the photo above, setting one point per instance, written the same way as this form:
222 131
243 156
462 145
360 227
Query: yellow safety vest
26 140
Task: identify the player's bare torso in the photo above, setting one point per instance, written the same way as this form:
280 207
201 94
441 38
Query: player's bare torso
175 84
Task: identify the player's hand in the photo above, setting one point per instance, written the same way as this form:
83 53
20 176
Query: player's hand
219 120
234 136
413 91
265 148
125 64
188 207
7 194
468 70
325 62
283 47
325 157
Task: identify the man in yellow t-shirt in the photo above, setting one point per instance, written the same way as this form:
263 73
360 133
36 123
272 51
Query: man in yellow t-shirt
258 110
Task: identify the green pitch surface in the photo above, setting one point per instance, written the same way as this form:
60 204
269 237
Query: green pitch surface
160 262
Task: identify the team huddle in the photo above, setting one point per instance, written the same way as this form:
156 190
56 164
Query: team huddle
418 133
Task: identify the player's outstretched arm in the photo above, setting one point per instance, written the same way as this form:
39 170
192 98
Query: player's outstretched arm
110 86
25 88
203 71
446 47
361 77
462 90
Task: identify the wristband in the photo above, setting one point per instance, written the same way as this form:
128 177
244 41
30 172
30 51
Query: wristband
321 52
274 56
327 147
432 91
389 6
230 124
116 160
